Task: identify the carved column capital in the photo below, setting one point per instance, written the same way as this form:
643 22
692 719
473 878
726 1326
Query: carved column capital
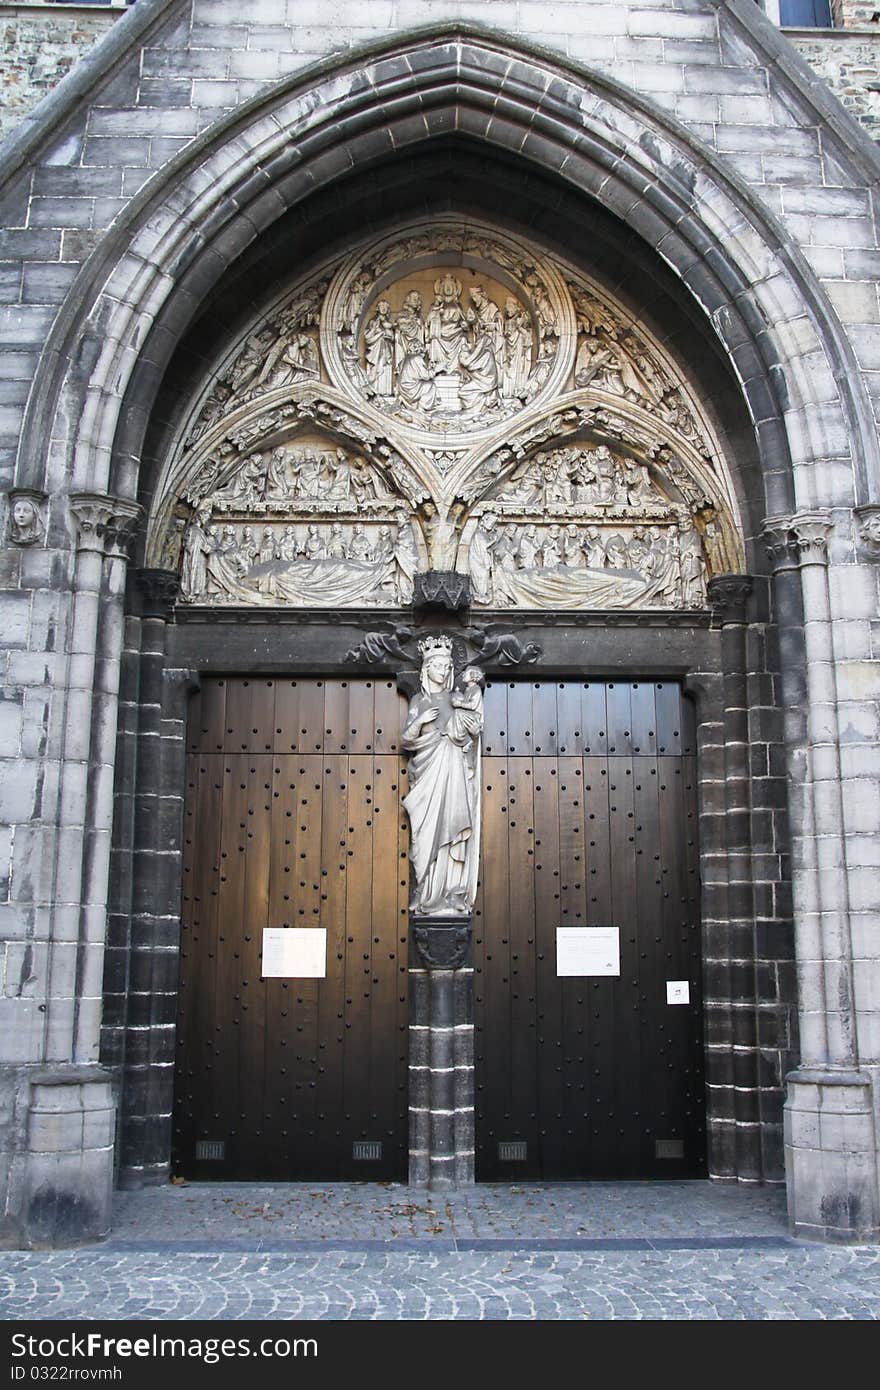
798 539
868 529
779 543
728 595
158 590
104 524
810 531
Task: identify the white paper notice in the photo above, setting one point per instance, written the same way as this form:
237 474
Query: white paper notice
678 992
587 950
296 953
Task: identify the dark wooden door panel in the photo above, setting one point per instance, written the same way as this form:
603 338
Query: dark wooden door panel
292 820
589 819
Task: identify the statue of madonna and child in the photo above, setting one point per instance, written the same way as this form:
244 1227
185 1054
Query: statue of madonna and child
442 736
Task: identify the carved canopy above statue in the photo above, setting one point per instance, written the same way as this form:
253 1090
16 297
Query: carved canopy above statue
448 397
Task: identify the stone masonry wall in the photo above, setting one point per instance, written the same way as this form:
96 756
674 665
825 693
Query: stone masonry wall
850 64
853 14
38 46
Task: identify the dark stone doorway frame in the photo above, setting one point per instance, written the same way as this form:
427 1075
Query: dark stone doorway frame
747 938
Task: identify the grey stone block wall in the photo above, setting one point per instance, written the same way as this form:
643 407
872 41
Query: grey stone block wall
695 123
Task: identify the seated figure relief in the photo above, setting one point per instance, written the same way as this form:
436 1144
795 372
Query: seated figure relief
461 357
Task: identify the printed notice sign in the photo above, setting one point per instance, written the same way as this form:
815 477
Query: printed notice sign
587 950
678 992
296 953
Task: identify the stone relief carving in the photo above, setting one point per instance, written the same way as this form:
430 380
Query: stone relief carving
608 564
281 352
494 644
868 528
442 732
447 328
463 357
498 462
613 356
26 517
301 524
379 646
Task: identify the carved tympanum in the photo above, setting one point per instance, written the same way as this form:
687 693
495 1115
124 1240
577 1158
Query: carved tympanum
448 398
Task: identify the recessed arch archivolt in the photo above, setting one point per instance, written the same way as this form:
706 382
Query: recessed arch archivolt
447 397
152 273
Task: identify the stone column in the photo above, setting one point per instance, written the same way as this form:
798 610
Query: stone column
67 1178
147 928
441 1065
731 848
829 1124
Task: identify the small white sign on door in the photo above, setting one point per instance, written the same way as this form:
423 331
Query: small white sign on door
295 953
678 992
587 951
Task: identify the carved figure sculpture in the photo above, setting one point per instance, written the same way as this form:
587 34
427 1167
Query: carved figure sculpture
406 558
197 545
442 735
479 369
289 546
572 553
594 549
447 328
481 560
529 548
379 341
25 522
414 378
693 566
517 349
359 547
289 362
551 553
336 548
490 320
315 547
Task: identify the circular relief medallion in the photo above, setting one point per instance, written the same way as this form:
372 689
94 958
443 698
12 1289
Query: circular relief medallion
449 328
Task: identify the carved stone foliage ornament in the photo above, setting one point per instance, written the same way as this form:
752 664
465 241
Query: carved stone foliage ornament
446 399
441 734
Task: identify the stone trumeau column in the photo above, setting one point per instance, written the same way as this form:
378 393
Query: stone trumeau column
441 1051
68 1164
830 1142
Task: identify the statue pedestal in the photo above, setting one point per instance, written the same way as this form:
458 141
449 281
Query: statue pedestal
441 1065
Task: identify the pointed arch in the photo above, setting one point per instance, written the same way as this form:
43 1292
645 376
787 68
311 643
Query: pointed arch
109 346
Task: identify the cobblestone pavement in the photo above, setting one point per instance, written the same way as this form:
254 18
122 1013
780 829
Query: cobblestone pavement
601 1251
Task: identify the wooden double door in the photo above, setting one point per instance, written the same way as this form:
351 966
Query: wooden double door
294 820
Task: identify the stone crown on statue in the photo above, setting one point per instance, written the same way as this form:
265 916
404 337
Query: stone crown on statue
434 644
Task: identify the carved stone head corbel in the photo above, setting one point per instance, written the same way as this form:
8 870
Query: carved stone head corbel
26 518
